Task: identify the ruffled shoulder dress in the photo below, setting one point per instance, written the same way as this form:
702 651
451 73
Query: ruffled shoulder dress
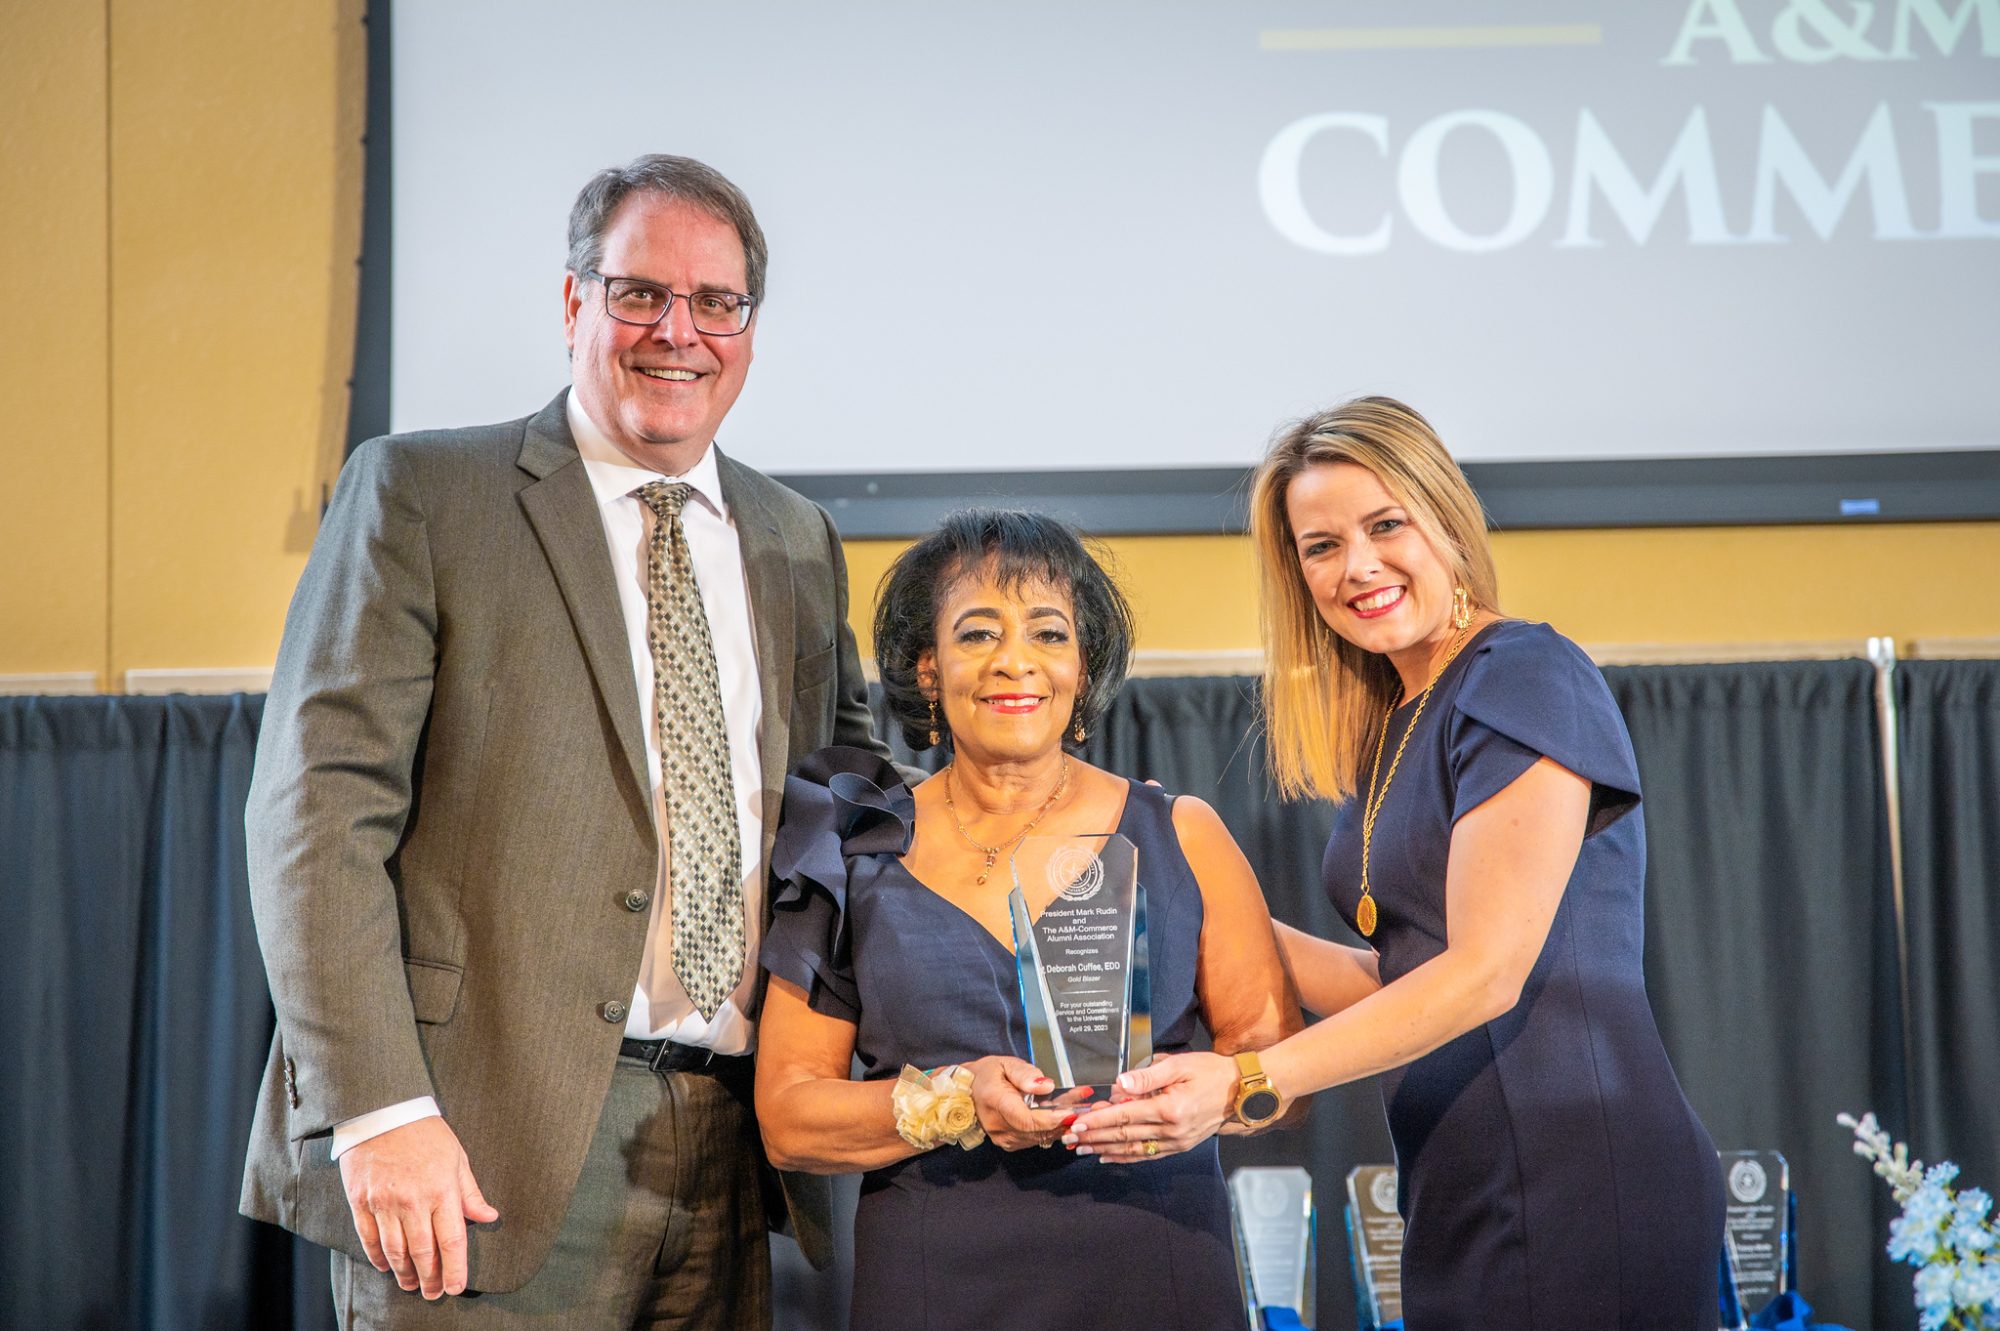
988 1239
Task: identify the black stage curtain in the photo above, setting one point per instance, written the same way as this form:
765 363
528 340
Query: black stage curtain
1771 937
135 1010
135 1020
1950 761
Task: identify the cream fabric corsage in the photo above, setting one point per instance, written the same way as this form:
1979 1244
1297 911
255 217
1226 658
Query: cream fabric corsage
935 1108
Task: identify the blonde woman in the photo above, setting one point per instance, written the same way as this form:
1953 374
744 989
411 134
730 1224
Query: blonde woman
1489 847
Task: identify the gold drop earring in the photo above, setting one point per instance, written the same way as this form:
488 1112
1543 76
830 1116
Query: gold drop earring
935 737
1461 608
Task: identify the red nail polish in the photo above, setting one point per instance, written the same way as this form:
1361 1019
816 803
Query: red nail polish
1067 1121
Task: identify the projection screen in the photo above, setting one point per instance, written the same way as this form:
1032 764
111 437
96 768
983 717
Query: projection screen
1706 260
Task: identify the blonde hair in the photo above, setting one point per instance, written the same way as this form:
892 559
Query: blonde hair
1324 698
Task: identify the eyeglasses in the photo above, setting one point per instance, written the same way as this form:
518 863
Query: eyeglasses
632 300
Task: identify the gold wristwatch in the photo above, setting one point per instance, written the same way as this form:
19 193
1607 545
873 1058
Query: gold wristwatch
1257 1101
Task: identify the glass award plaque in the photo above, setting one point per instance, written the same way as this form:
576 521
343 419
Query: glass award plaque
1252 1318
1757 1190
1080 950
1275 1224
1375 1243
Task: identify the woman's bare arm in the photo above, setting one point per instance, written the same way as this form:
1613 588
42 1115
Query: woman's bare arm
815 1120
1511 859
1331 977
1247 999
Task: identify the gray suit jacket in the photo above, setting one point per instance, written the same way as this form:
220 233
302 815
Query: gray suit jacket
450 804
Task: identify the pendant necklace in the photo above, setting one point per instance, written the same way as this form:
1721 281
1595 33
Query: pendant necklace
993 853
1365 914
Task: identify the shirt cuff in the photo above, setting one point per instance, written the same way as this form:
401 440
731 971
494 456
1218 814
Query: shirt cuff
348 1135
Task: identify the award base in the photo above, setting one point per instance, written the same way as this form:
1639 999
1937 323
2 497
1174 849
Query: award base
1070 1097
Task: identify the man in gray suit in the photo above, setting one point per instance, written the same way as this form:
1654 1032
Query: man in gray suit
514 801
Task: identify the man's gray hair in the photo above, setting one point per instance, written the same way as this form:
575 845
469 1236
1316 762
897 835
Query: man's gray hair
671 177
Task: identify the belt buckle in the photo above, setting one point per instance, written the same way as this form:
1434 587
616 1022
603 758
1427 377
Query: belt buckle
675 1057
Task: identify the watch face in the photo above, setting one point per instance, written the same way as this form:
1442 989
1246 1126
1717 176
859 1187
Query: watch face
1259 1105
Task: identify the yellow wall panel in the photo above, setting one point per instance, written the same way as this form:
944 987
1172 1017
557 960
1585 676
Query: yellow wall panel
1757 584
1727 585
53 385
234 228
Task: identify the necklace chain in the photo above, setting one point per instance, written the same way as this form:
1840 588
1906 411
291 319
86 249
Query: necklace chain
993 853
1365 913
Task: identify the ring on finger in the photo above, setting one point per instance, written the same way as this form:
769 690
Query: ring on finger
1151 1148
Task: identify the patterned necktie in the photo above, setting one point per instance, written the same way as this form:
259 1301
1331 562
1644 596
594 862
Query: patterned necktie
707 853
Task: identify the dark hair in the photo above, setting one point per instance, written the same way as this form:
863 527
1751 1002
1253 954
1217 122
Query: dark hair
671 177
1017 547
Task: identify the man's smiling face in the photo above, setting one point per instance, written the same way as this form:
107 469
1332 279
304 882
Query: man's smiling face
659 392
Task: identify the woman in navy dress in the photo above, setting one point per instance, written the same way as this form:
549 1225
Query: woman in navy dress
1552 1175
1000 638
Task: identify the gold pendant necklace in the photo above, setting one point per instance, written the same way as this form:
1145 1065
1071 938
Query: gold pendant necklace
1365 914
993 853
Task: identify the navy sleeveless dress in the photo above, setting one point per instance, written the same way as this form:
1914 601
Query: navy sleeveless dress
1553 1177
988 1239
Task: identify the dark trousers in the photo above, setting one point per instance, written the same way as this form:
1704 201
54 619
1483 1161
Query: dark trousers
665 1229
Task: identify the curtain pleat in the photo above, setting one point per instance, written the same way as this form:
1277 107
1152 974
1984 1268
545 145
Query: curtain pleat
1771 938
134 1017
1950 775
135 1020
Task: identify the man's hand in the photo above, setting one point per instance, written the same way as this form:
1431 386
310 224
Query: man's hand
411 1191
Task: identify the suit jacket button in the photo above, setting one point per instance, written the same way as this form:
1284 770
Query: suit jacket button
638 899
614 1011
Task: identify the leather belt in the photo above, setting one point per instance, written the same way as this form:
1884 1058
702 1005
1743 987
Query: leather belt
669 1056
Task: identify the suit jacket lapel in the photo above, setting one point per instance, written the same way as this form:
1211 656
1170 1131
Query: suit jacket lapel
767 569
562 508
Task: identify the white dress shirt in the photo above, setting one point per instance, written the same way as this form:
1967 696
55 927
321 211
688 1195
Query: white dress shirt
660 1007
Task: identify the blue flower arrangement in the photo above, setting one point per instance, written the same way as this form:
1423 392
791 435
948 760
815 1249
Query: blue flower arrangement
1948 1236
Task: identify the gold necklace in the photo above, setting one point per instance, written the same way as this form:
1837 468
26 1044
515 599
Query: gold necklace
1365 914
992 853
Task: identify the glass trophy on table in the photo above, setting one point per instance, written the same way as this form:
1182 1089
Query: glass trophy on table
1080 950
1757 1229
1375 1243
1275 1243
